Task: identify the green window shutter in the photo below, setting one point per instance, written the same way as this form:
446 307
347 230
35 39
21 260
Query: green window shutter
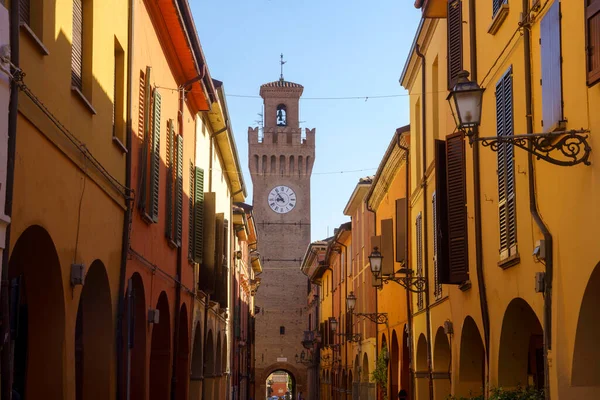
155 158
198 215
170 172
179 192
191 213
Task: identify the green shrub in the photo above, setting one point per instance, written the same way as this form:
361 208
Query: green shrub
380 374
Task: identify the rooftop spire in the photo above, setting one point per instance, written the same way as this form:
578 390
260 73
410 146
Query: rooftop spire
281 62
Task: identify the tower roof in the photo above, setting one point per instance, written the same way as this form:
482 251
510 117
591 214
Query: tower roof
281 83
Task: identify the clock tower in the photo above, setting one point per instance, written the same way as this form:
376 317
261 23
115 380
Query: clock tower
281 161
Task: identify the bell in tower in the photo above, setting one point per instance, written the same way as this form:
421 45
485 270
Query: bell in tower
281 115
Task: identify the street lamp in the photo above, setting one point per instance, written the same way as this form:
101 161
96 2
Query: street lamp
378 318
375 259
333 324
465 102
561 147
403 277
351 302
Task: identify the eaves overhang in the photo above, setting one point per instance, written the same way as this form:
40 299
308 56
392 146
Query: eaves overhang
422 39
175 27
312 257
358 195
394 158
218 117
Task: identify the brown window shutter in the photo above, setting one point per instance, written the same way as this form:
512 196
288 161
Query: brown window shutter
179 192
419 237
592 18
441 212
224 266
458 251
24 11
455 45
170 180
207 268
219 258
387 246
401 230
77 45
437 286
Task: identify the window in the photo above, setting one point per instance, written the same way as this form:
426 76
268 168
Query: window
496 5
550 43
81 51
437 286
450 209
506 173
119 94
282 330
592 18
150 165
401 230
455 45
419 233
174 195
31 15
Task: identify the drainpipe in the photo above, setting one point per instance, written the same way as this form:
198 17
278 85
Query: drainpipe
425 230
409 332
483 304
124 382
7 365
533 207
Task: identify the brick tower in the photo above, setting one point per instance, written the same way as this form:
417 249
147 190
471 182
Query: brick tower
281 165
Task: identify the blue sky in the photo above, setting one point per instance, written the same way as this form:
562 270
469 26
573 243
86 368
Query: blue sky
333 48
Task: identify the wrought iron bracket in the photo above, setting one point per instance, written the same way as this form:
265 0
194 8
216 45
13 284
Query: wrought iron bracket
415 284
351 337
563 148
378 318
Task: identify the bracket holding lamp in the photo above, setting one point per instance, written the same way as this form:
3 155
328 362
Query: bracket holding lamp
403 276
564 148
350 337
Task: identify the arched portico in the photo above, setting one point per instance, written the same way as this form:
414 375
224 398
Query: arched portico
442 361
37 293
94 337
471 371
521 351
160 355
585 374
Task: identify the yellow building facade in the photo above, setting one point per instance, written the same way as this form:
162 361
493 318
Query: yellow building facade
387 197
68 197
509 300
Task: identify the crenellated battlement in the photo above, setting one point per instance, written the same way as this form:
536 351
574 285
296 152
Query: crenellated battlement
282 136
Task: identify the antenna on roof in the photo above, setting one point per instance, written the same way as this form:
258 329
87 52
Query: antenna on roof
281 62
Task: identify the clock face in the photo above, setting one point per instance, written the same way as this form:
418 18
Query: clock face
282 199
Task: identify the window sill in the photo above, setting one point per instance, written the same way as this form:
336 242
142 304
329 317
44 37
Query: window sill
498 19
119 144
466 285
83 99
509 261
36 40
